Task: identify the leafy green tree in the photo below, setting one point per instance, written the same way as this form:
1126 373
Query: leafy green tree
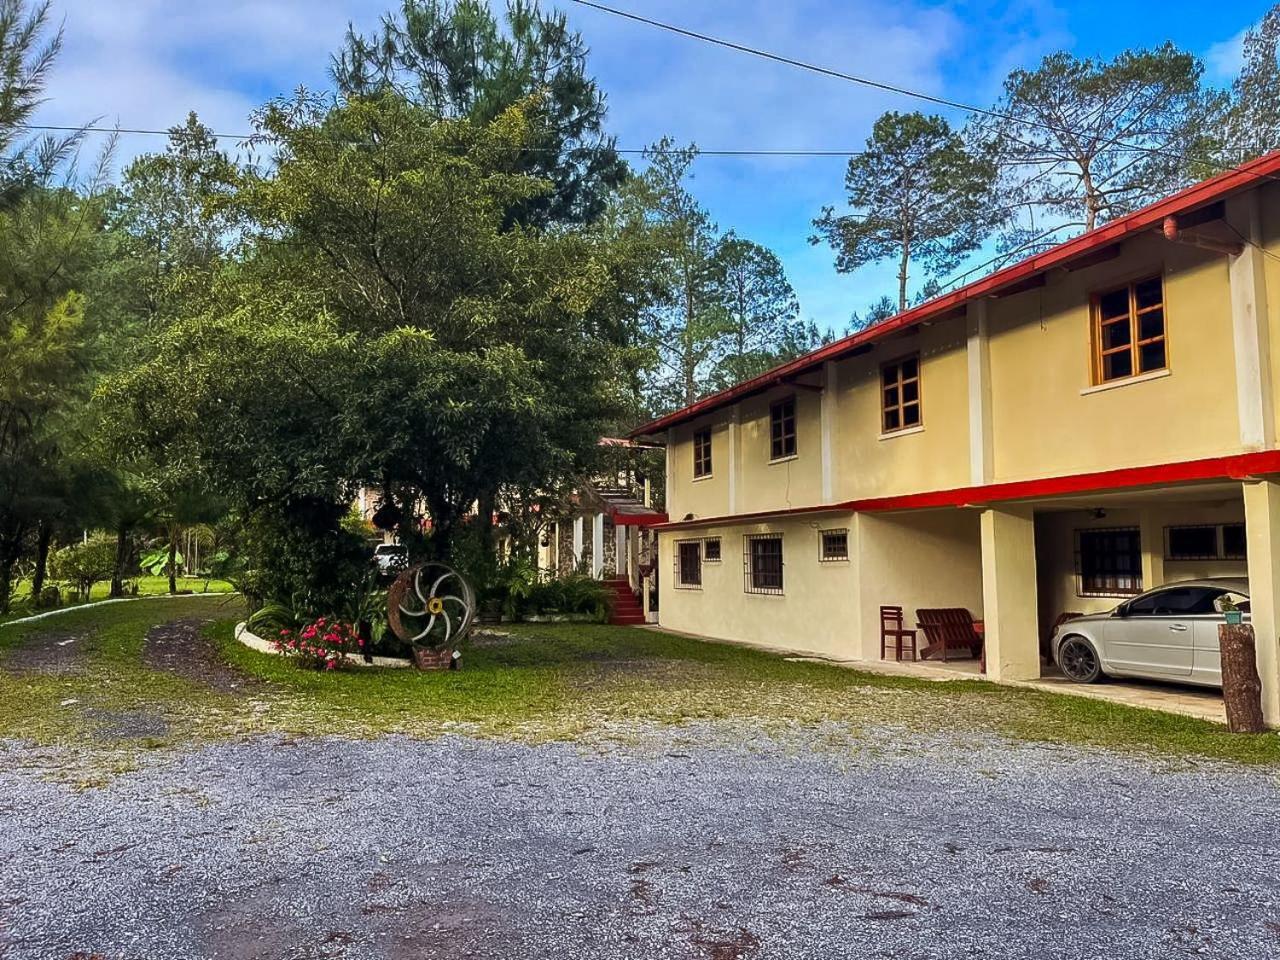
454 58
383 327
1094 139
1253 121
919 195
759 310
84 564
879 311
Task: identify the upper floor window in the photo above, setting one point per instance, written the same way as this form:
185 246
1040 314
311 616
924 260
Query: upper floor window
900 393
702 452
782 429
1128 331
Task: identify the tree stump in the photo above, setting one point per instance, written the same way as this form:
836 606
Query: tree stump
1241 685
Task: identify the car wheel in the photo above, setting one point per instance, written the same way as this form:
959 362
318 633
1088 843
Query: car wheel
1079 661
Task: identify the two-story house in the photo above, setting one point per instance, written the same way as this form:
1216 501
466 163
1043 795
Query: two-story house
1083 425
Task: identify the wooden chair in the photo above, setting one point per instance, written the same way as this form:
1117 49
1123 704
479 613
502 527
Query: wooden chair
946 629
892 628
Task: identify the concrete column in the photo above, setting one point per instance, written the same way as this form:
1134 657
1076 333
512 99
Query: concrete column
981 456
669 493
597 545
577 539
1250 335
1262 527
1151 531
1009 594
828 416
734 442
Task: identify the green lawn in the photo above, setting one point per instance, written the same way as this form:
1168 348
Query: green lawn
147 587
556 682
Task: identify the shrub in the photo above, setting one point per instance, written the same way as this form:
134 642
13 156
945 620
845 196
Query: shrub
572 594
84 564
322 645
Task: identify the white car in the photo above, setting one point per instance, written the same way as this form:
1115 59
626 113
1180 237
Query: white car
1169 633
391 558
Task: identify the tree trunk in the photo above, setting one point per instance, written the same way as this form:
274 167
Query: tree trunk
43 538
1241 686
173 562
904 264
122 557
6 583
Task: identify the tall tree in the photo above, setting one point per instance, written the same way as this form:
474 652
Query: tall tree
919 195
759 308
454 58
684 326
1253 122
1082 141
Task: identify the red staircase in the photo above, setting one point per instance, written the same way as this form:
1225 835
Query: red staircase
626 608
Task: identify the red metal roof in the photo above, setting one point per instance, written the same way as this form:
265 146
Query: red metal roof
1203 193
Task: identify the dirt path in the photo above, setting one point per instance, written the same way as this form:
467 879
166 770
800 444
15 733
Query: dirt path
181 648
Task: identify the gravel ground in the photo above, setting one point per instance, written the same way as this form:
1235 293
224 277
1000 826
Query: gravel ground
706 842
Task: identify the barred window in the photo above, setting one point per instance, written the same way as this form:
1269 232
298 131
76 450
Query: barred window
762 562
782 429
835 545
711 550
1109 562
1205 541
689 564
702 453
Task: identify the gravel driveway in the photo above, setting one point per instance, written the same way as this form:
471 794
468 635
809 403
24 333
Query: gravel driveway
709 843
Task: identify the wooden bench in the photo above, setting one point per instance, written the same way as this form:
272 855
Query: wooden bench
948 629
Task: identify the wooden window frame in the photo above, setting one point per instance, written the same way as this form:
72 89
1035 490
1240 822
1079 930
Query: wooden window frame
751 582
900 407
1134 347
779 436
702 453
1084 589
706 553
823 556
680 582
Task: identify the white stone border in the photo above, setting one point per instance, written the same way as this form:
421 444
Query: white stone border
102 603
255 642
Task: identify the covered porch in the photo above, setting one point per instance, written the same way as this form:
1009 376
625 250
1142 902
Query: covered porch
1018 567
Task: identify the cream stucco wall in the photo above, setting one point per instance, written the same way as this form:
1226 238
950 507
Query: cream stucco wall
704 496
914 560
1045 419
871 464
817 612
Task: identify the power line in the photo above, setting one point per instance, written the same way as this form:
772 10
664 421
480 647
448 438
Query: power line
636 151
894 88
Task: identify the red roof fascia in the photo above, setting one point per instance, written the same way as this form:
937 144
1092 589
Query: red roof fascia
639 519
1203 193
1237 467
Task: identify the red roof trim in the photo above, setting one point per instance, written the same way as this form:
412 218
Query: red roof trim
639 519
1205 192
1237 467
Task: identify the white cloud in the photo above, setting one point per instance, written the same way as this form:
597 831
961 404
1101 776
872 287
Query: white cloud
1223 60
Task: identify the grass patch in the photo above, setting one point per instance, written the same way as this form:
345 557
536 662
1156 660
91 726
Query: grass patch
20 605
557 682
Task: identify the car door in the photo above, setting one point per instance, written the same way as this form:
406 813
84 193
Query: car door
1207 660
1155 636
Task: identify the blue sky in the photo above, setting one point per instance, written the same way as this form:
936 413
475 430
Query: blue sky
145 63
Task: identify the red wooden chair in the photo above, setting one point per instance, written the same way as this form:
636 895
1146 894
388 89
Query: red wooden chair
892 628
946 629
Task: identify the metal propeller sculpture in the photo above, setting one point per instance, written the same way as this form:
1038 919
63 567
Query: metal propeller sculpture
431 605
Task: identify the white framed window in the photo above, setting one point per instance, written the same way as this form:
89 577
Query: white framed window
711 550
835 546
688 564
762 563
